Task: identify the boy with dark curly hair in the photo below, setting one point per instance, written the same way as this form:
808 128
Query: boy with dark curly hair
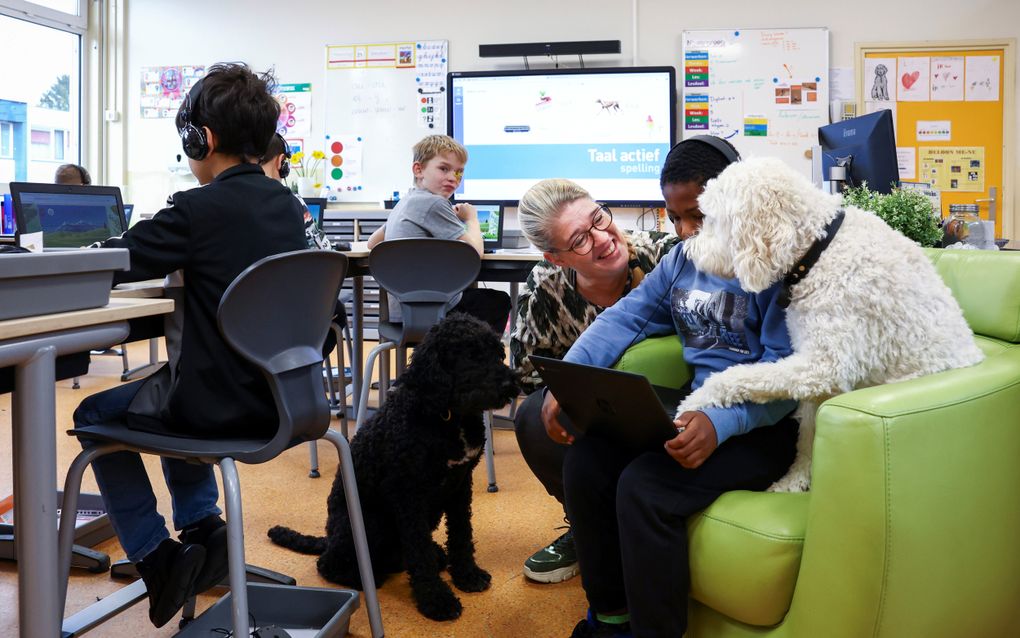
225 124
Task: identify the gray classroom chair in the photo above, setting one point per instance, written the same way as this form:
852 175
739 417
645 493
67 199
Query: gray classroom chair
424 275
286 345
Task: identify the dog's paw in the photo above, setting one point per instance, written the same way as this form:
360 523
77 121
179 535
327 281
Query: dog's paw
472 579
438 603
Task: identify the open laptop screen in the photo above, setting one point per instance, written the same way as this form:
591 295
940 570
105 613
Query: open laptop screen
7 217
316 206
68 216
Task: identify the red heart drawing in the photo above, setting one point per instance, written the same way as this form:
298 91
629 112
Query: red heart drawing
908 79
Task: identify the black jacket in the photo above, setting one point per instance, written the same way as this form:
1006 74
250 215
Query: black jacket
212 233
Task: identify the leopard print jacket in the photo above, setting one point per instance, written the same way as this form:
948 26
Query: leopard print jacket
552 314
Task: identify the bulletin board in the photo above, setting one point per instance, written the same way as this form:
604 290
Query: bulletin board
764 90
380 100
953 108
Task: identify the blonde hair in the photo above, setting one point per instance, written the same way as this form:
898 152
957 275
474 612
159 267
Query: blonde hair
541 205
435 145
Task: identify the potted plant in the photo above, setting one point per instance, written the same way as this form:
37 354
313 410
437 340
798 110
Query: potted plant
907 211
306 181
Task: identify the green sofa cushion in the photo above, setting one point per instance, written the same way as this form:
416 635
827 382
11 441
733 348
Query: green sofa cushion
660 359
745 553
986 284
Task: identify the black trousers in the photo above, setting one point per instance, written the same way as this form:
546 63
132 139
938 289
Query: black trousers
543 455
629 510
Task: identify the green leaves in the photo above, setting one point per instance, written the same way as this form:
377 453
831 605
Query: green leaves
907 211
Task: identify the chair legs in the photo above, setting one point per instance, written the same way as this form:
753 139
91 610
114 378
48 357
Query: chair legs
366 382
490 461
343 449
235 546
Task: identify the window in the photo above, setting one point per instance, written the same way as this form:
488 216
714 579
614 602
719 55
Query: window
6 140
40 100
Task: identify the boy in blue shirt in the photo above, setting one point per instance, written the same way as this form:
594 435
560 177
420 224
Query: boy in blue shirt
628 509
225 124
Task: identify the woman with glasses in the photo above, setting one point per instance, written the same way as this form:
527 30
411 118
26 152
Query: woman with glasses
629 508
589 264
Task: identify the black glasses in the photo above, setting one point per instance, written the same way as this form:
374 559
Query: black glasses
601 219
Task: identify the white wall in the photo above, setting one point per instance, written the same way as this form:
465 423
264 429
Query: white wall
291 37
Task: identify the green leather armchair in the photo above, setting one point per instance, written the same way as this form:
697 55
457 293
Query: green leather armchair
912 524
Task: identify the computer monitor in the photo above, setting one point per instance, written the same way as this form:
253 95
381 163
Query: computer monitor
608 129
7 226
866 147
490 220
69 216
317 207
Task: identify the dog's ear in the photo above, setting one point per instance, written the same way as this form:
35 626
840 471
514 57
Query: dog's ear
765 202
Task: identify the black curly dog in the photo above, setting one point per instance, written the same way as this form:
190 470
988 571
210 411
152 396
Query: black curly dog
413 460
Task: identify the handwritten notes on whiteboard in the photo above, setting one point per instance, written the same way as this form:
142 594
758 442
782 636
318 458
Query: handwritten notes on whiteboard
380 100
765 90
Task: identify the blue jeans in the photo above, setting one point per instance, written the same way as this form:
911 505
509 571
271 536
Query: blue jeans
125 486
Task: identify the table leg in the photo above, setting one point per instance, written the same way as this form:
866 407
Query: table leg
35 444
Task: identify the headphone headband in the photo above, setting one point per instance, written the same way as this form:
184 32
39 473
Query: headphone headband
193 140
717 143
285 164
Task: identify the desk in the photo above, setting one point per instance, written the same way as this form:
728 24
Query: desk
511 266
31 345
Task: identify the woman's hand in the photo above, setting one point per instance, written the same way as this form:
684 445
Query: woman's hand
551 420
695 441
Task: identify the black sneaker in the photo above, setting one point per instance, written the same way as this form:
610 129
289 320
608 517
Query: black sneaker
591 627
555 563
169 572
210 533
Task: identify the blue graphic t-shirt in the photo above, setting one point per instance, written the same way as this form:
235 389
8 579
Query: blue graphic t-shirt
720 325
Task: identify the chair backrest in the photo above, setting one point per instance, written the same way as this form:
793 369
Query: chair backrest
986 284
276 315
423 275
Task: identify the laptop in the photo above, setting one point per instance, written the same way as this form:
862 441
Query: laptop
622 405
69 216
128 209
317 207
490 220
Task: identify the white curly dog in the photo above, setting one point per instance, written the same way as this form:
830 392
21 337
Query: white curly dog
871 310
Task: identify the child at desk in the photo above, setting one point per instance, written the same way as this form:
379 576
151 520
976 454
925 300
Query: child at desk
425 211
225 124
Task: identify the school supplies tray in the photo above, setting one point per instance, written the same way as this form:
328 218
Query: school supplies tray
311 612
61 281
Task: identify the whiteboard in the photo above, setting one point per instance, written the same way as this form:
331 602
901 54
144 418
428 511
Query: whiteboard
764 90
380 100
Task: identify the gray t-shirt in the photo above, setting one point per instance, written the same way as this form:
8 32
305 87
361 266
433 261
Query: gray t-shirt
420 213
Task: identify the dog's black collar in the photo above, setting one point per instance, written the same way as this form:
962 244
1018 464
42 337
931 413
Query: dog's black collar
803 267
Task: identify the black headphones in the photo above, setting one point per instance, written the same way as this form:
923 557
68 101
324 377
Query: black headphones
285 164
717 143
193 139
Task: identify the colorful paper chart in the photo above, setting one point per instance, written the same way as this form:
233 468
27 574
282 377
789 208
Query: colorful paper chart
165 87
343 163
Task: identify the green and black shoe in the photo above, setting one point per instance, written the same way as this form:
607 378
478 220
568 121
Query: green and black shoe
555 563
